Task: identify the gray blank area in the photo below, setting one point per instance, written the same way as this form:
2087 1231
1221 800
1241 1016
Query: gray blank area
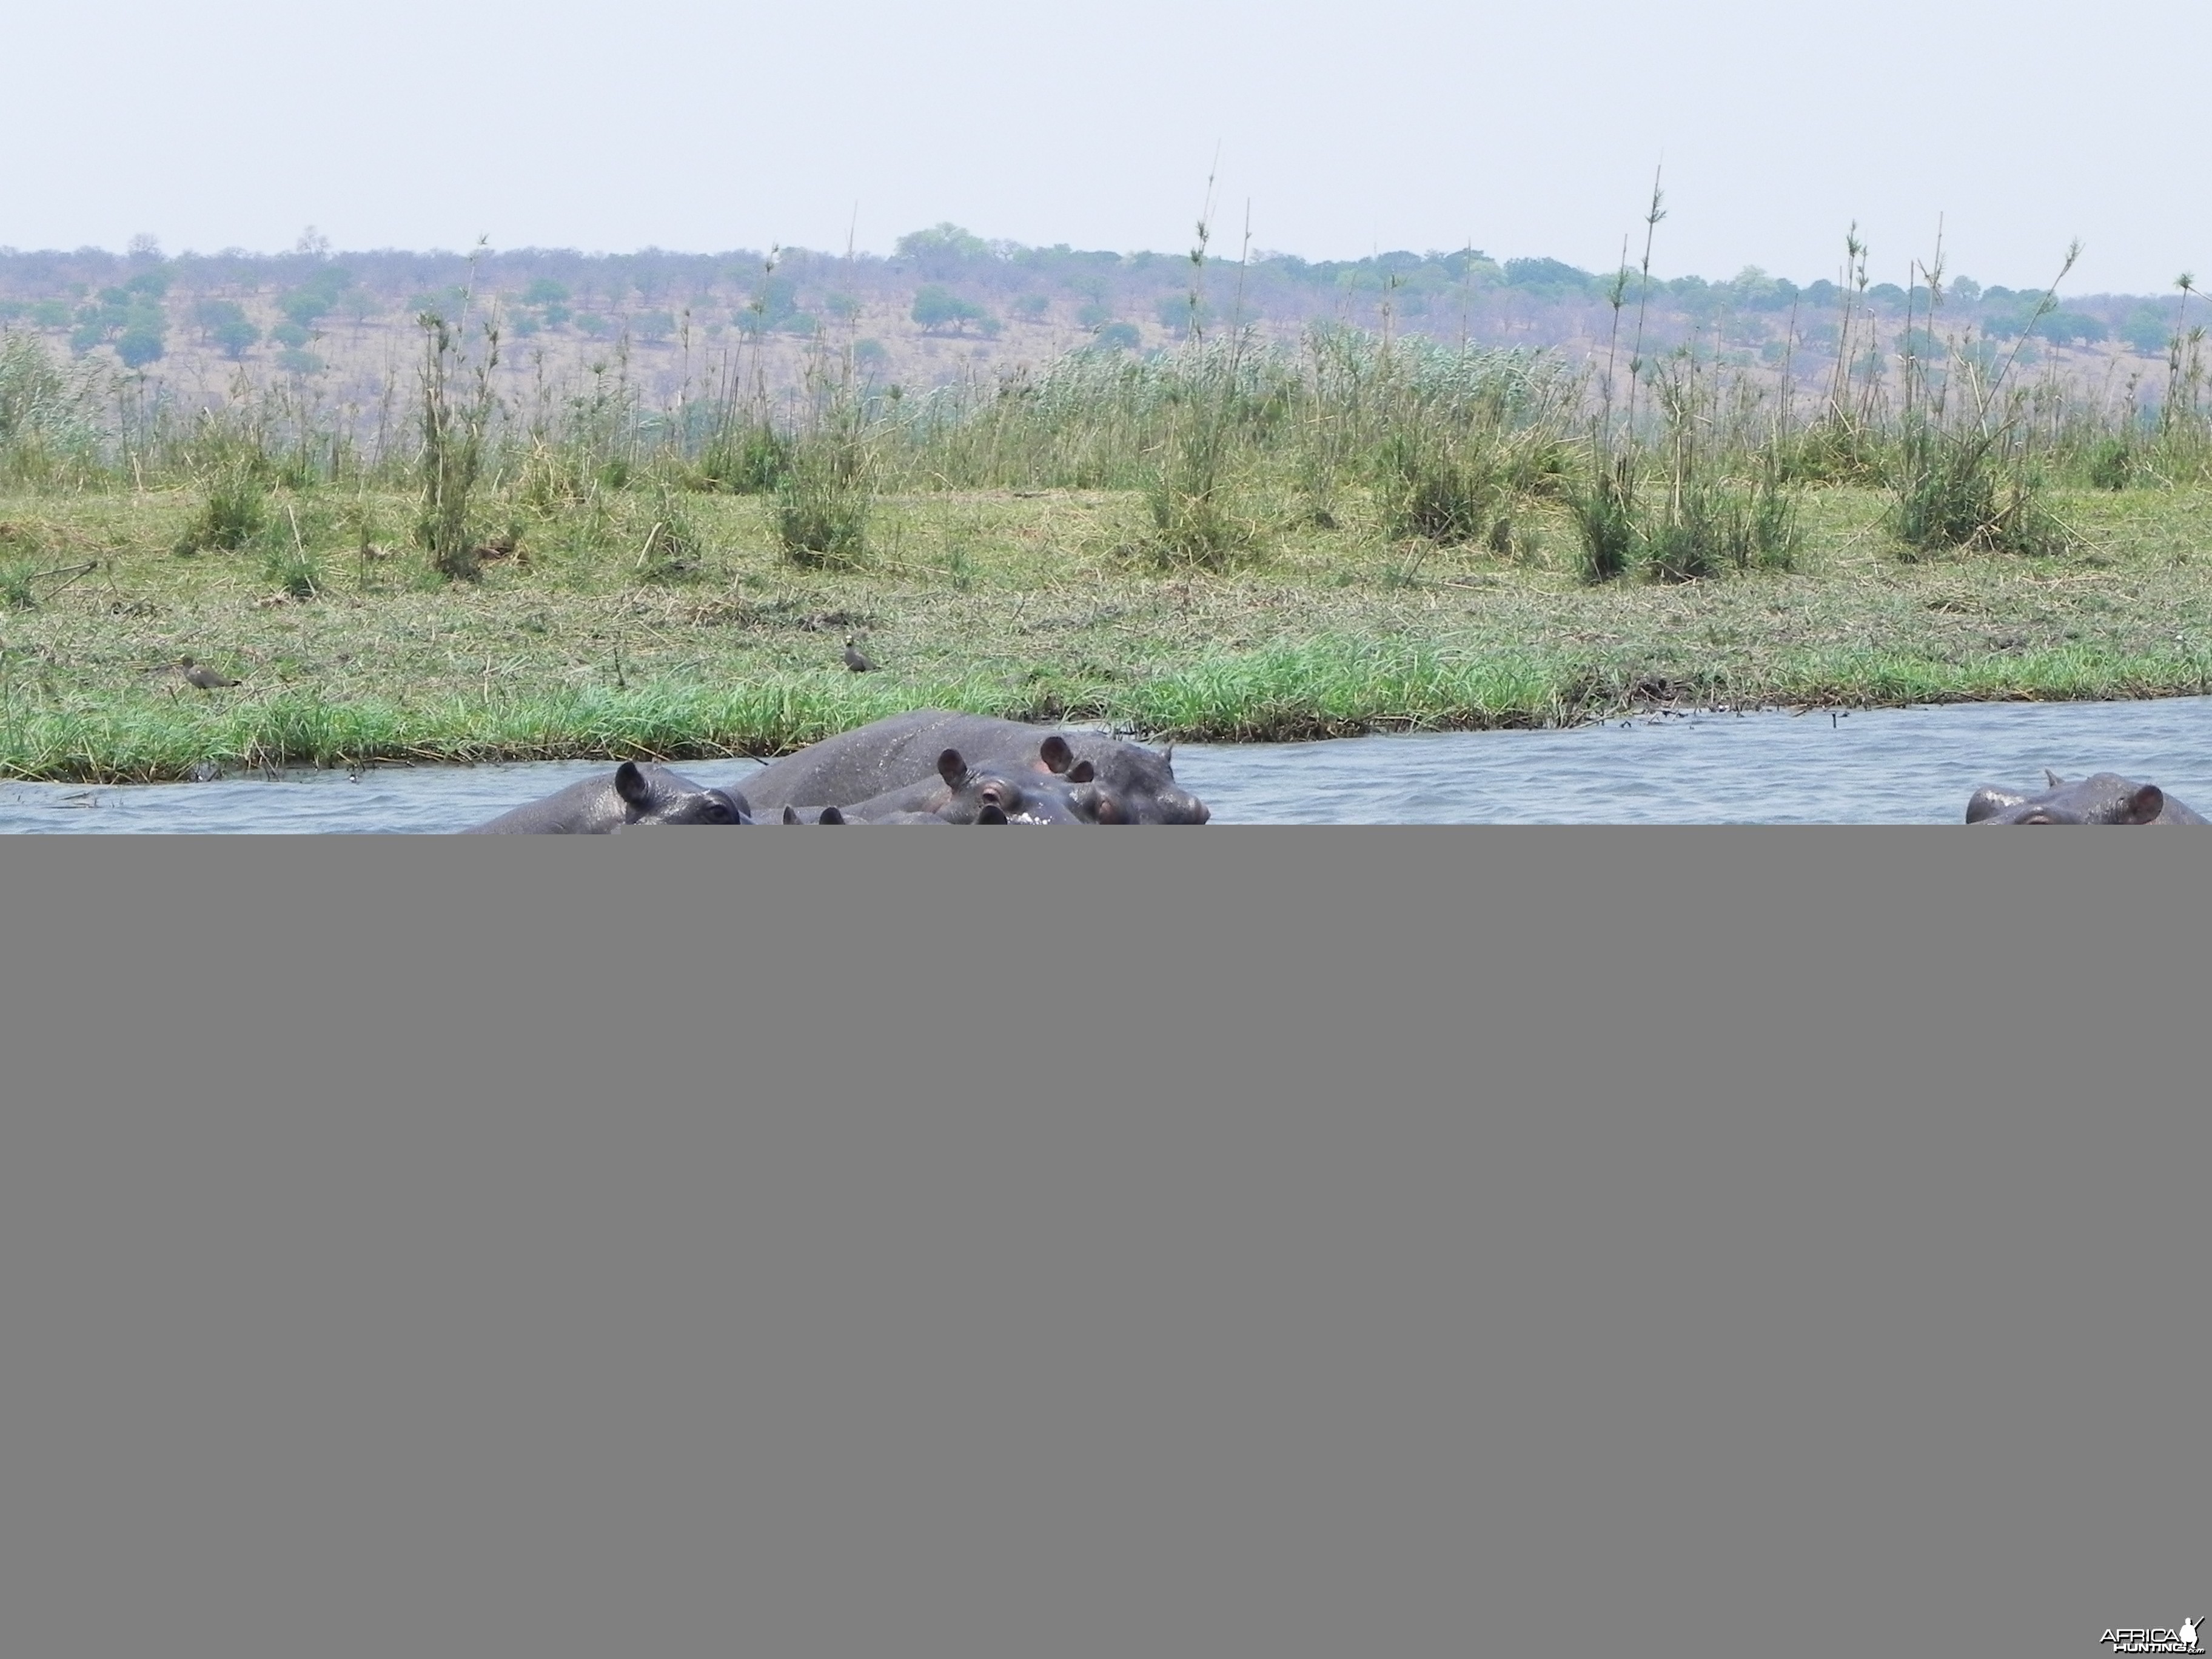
1686 1241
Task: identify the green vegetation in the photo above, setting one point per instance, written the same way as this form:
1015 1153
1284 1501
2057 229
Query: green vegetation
455 428
574 644
130 317
1699 491
1230 538
227 326
315 298
826 486
937 308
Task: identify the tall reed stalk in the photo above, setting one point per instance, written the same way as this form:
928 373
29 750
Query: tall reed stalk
458 405
1963 475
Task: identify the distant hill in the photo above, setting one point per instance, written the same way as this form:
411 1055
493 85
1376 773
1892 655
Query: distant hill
945 307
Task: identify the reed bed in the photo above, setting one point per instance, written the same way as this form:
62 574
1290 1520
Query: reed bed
1229 539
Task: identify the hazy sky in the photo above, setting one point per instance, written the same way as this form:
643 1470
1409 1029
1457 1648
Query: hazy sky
1527 129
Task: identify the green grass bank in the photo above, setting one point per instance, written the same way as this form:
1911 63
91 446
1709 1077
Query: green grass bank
657 623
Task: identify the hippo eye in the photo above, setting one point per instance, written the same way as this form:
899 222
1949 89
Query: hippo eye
718 813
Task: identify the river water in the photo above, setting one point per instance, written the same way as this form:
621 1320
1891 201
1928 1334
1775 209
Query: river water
1876 766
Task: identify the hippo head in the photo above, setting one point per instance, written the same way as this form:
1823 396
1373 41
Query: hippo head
659 797
1122 783
2106 797
1138 786
1012 795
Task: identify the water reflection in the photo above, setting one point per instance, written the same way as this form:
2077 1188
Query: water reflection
1883 766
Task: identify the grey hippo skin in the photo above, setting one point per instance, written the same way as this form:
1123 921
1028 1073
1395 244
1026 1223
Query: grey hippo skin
988 813
983 815
1130 784
633 796
1008 794
2106 797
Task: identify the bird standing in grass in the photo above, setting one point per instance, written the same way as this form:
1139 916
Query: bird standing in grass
856 659
199 674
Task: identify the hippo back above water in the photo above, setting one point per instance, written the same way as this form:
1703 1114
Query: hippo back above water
633 796
2102 797
1130 784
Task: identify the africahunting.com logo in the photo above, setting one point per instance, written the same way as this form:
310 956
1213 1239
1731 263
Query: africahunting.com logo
2182 1639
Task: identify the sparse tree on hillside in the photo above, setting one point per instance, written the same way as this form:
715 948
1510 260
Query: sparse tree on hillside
942 249
2065 327
938 307
141 342
2146 330
318 296
1176 314
225 324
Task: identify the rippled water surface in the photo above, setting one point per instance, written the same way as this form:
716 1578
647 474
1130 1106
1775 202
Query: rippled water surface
1884 766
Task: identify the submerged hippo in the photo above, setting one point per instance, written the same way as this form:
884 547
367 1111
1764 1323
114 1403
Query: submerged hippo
2105 797
1012 794
1129 784
635 795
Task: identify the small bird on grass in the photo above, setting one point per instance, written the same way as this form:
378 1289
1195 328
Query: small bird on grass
199 674
856 659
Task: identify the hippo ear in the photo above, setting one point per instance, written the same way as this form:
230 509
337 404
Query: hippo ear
830 815
1058 756
1167 755
738 805
1082 772
630 785
991 814
2146 803
952 767
791 814
2053 779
